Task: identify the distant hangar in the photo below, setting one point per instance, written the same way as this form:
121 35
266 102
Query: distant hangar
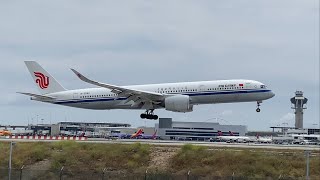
168 129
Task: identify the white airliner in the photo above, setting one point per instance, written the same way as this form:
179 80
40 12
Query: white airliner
176 97
264 139
232 138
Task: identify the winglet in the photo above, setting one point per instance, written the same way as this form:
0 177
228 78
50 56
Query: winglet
78 74
85 79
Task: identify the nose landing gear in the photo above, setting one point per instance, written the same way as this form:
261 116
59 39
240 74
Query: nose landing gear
149 115
258 106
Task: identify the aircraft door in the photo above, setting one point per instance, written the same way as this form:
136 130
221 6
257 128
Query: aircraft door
75 95
202 88
248 86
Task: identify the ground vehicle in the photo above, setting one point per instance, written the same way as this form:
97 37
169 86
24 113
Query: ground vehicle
5 133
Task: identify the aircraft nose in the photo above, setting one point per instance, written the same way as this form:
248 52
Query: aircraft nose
271 94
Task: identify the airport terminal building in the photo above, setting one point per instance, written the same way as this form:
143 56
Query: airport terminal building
68 129
168 129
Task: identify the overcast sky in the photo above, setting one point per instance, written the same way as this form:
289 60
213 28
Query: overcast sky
140 42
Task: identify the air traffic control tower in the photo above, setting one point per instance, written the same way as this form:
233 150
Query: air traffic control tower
299 104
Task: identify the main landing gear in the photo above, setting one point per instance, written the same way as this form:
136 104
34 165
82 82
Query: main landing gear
149 115
258 106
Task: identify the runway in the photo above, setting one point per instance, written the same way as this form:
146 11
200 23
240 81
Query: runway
181 143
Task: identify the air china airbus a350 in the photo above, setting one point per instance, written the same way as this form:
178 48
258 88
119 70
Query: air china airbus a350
176 97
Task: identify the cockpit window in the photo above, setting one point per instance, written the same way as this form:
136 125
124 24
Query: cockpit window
263 86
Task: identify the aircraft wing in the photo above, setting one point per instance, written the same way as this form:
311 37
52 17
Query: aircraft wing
138 96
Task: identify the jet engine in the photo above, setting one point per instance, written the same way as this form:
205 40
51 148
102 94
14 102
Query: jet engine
178 103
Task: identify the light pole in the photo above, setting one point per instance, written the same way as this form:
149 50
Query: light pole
10 158
307 153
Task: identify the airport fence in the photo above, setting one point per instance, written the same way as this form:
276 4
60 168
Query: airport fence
31 174
106 174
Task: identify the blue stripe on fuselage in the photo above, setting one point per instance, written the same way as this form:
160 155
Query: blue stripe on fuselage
204 93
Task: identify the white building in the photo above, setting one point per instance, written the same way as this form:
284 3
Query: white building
168 129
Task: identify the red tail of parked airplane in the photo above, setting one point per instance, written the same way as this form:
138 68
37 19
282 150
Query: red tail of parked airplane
231 133
138 133
154 136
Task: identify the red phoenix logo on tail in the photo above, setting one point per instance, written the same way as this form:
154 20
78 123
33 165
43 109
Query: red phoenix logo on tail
42 80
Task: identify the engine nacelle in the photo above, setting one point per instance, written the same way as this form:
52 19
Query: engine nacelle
178 103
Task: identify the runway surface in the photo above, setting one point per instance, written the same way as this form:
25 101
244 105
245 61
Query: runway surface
181 143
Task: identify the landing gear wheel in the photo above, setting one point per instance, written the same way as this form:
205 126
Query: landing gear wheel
149 115
143 116
258 106
155 117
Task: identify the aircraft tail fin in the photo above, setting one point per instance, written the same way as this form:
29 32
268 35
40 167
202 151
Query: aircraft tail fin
138 133
44 81
154 135
220 133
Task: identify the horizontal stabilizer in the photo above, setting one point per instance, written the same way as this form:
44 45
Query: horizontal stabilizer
40 97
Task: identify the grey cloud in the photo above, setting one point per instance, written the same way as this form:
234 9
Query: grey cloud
137 42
